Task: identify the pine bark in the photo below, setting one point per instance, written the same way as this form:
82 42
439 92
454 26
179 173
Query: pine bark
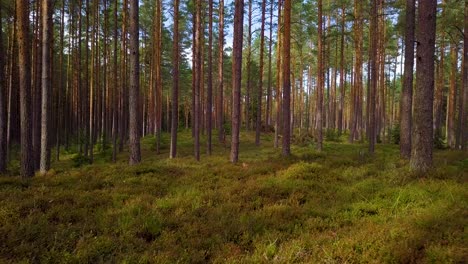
373 76
220 107
134 93
258 125
209 89
46 43
22 14
237 77
175 83
198 79
421 153
320 82
287 79
406 102
342 72
3 105
463 135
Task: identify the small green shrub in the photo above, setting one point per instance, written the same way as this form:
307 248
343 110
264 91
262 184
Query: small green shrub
80 160
332 135
395 134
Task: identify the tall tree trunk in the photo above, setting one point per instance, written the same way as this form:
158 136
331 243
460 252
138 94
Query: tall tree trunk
464 105
373 75
248 70
198 78
260 78
237 77
220 114
209 91
134 95
406 102
357 84
342 71
115 116
175 82
270 44
22 14
440 79
278 78
3 105
47 29
320 82
452 96
287 78
158 89
421 153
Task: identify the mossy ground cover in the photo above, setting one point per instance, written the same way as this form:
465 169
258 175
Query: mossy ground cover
338 206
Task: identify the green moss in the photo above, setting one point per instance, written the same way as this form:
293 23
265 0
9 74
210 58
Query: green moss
340 205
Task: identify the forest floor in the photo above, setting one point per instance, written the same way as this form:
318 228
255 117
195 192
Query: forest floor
338 206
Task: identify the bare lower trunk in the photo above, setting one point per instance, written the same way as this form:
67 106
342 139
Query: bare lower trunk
421 153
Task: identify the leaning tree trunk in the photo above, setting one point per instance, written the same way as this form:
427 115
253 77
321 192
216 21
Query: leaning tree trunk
22 14
237 77
134 94
407 91
421 153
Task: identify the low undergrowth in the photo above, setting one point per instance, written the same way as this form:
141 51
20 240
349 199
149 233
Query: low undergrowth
338 206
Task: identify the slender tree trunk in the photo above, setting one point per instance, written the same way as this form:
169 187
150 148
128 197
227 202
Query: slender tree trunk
464 105
22 14
175 82
209 91
237 77
373 76
287 78
320 82
452 96
248 70
440 79
198 78
158 89
260 78
220 114
47 28
406 102
421 153
3 106
270 44
134 99
278 79
342 72
115 116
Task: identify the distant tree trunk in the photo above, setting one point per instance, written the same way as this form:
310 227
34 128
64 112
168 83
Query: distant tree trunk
220 114
463 135
22 14
452 97
47 29
406 102
123 79
157 83
248 70
61 87
175 82
260 78
3 105
287 78
440 81
115 116
278 79
357 84
198 78
270 44
209 91
421 153
342 71
373 76
134 94
320 82
237 77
